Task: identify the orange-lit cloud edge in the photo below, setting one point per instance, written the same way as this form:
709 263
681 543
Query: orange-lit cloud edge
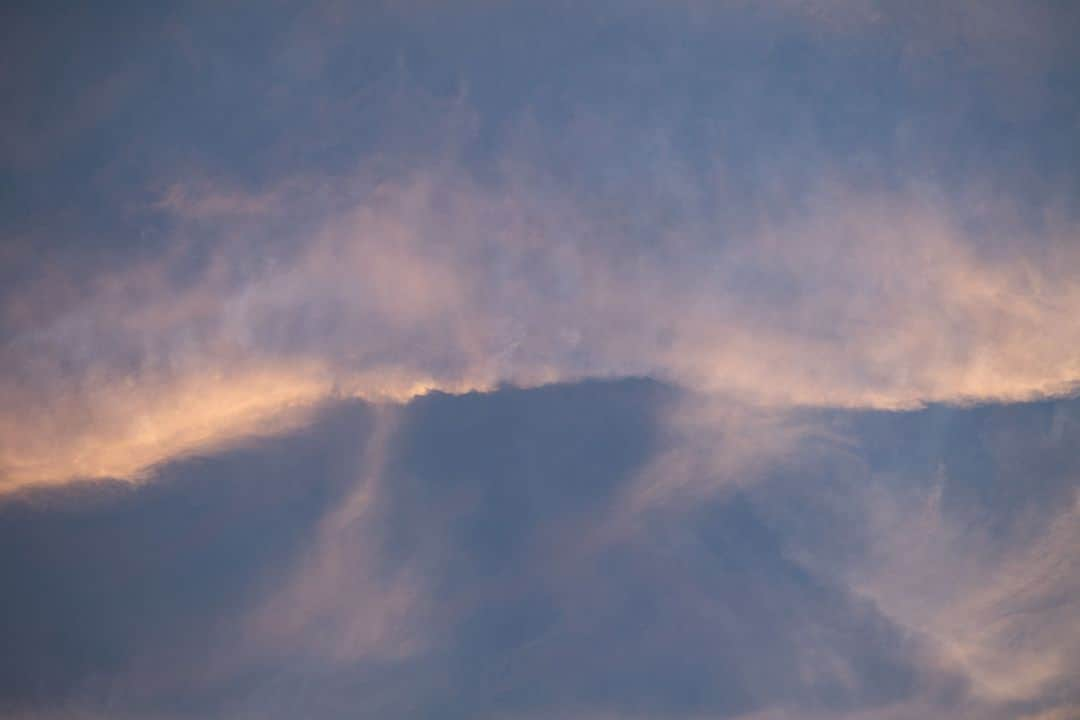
862 300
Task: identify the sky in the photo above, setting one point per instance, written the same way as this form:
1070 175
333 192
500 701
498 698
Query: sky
525 360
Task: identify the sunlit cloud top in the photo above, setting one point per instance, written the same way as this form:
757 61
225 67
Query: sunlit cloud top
815 220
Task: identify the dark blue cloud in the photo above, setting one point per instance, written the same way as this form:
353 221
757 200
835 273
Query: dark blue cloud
497 504
99 576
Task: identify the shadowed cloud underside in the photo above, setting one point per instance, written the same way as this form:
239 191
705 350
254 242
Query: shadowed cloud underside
485 555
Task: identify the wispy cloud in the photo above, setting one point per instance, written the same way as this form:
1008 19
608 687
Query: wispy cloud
858 299
456 553
780 230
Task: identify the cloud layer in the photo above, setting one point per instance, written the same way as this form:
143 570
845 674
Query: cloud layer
435 282
488 555
812 220
632 359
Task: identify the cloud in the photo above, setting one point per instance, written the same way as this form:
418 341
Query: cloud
1005 614
315 331
805 223
340 605
941 518
855 299
453 553
124 589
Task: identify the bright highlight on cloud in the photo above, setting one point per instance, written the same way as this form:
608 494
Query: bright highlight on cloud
436 282
780 231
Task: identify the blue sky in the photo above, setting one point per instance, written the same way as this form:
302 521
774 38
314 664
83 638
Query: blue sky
526 360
